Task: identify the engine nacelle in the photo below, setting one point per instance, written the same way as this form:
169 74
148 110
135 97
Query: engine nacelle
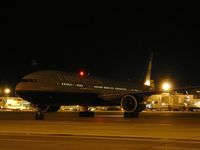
48 108
129 103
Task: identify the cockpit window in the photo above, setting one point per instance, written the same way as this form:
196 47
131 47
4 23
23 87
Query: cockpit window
29 80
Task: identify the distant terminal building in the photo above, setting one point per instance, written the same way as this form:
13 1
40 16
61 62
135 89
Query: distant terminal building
161 102
176 102
96 108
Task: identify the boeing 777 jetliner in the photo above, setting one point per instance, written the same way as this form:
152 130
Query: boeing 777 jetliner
48 90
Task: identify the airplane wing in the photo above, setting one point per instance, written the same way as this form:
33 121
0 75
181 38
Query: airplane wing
112 96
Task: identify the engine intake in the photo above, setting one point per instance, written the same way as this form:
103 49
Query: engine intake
129 103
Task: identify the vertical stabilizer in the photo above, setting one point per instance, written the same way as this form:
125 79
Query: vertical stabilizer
148 82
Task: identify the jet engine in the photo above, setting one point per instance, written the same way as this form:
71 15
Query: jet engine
48 108
129 103
132 105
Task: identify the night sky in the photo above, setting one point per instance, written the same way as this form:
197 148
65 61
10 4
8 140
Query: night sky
108 42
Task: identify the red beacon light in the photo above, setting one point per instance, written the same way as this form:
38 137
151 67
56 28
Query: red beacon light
81 73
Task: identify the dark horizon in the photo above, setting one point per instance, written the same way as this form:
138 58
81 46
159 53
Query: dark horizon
106 42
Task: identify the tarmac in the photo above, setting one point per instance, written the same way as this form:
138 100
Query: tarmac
150 125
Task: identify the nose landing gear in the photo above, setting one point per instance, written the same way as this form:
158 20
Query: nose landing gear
39 115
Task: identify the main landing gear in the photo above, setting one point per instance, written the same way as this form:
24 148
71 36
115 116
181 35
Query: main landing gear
131 114
86 112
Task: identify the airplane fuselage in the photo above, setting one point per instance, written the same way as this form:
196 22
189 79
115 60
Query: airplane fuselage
60 88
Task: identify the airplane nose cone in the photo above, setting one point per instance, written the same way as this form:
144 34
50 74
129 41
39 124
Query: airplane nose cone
17 87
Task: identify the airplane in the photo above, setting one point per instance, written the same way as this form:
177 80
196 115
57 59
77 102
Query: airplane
47 90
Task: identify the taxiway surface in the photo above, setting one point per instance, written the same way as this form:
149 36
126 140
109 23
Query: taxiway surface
153 130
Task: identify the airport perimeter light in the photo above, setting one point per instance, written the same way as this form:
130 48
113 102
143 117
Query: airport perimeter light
166 86
7 91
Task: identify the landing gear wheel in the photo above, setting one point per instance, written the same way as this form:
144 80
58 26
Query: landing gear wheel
39 115
131 114
86 114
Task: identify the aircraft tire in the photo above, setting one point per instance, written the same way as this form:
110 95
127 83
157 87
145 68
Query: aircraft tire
86 114
131 114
